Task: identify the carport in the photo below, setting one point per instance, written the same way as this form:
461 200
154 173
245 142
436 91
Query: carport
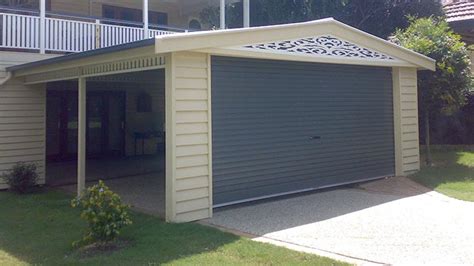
268 111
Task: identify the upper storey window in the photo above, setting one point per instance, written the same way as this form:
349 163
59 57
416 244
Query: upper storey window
132 14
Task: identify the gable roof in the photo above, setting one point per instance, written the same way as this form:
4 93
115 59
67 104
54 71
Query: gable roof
370 50
234 38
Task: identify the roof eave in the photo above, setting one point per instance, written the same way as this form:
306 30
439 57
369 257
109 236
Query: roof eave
81 55
235 37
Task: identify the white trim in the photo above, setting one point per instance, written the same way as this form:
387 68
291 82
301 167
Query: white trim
300 58
99 69
209 130
208 40
170 141
326 46
397 124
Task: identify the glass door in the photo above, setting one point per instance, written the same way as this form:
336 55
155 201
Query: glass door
115 104
95 124
70 124
53 126
105 124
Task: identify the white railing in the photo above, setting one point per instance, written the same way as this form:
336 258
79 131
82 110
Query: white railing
62 35
19 31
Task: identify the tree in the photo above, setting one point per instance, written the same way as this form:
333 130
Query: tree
445 90
379 17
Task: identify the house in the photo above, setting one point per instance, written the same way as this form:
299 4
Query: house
460 15
193 121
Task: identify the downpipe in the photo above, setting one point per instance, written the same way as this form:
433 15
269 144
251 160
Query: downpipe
5 79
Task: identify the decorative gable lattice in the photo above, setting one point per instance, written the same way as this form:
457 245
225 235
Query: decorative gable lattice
320 46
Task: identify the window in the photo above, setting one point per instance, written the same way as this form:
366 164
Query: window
194 25
132 14
24 4
159 18
28 4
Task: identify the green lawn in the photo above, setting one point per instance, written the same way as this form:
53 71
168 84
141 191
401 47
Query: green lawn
39 229
452 173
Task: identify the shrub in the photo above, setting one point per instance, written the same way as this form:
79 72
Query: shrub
22 177
104 213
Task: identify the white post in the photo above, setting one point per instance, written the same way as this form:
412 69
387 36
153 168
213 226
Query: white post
81 137
42 38
97 34
222 16
145 20
246 13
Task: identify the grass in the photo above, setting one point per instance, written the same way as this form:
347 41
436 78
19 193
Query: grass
452 173
39 229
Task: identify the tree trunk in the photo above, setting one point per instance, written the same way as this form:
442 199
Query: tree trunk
427 138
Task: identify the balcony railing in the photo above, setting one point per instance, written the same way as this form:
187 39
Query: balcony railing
19 31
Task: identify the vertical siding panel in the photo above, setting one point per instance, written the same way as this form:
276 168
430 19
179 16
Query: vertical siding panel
406 121
188 71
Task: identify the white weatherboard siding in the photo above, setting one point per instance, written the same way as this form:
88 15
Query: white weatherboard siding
406 121
22 118
22 130
189 171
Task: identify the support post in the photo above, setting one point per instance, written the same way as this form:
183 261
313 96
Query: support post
97 34
81 136
246 13
222 16
397 127
145 20
42 26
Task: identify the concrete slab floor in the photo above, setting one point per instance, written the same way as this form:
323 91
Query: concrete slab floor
393 221
65 173
145 193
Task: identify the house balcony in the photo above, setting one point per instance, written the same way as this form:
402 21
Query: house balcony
27 31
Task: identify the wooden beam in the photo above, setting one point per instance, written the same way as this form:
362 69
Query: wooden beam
81 136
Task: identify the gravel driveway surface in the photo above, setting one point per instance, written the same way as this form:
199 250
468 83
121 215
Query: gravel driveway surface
393 221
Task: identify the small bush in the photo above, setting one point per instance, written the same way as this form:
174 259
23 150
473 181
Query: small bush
104 212
22 177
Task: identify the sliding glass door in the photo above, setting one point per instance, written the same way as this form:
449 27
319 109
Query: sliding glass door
105 124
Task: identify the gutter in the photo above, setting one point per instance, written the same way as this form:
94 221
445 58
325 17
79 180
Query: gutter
5 79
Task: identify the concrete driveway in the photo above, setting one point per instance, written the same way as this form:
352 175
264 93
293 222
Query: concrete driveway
392 221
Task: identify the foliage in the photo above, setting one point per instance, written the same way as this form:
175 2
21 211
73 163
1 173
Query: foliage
379 17
37 229
454 129
443 91
22 177
446 88
104 212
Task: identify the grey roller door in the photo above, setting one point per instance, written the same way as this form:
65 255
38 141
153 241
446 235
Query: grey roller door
281 127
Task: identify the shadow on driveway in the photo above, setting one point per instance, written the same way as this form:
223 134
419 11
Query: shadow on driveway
267 216
392 221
